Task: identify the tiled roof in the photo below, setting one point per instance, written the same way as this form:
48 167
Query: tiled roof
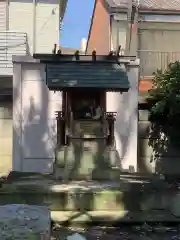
151 4
118 3
87 75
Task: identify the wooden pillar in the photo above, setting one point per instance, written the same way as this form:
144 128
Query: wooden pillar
60 129
103 100
63 101
111 120
67 122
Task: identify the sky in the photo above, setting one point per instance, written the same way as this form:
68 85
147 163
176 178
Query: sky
76 22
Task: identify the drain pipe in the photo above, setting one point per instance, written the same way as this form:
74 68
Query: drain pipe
34 28
129 27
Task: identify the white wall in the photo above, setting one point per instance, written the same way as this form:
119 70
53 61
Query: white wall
47 22
5 127
34 123
5 138
3 15
118 34
21 18
126 125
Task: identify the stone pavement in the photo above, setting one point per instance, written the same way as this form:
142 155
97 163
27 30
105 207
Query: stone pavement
24 222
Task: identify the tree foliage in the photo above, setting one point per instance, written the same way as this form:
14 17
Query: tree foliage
165 109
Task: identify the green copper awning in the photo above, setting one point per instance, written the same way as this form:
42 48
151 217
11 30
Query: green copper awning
102 75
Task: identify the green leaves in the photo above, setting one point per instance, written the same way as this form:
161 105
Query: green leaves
166 95
158 107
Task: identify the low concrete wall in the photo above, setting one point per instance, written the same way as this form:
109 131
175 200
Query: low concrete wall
5 138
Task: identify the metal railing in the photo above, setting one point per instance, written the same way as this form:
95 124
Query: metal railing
150 61
11 43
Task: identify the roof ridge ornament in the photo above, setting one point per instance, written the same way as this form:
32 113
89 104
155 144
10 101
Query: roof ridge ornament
94 55
118 51
76 54
59 52
54 49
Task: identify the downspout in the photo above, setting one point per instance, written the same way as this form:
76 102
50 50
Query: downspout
110 33
117 35
34 27
137 27
7 15
129 27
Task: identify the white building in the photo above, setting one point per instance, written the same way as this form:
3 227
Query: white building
26 27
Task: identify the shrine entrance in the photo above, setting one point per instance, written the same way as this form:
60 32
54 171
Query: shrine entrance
86 104
85 134
85 130
84 117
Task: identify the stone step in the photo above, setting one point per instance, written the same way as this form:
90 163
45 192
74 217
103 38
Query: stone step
113 218
133 198
136 198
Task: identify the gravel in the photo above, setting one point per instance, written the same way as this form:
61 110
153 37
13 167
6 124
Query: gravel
143 232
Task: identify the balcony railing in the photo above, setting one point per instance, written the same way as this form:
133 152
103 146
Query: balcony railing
11 43
150 61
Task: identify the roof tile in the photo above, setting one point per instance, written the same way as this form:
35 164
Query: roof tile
151 4
82 75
